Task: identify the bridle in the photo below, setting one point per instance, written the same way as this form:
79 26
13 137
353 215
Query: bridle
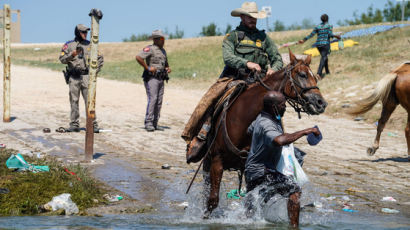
299 104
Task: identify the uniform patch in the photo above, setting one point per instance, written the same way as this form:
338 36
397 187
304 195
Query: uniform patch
258 43
62 53
249 42
65 46
146 49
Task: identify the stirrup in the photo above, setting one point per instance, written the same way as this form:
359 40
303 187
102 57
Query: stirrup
194 153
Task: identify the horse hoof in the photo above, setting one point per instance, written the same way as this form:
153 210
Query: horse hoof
371 151
206 215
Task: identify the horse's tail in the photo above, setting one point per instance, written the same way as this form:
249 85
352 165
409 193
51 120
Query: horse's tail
381 92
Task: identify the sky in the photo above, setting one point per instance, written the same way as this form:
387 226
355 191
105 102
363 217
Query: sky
44 21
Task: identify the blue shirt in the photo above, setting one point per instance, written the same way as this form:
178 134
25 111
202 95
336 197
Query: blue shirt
324 33
264 154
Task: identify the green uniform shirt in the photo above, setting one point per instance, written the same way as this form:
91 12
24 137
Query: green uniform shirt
255 46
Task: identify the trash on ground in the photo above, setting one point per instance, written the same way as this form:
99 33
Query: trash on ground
61 130
166 166
2 146
346 198
353 190
358 119
46 130
233 194
330 198
183 204
62 201
4 190
112 198
349 210
104 130
390 210
318 204
37 49
389 198
72 173
390 134
346 106
18 162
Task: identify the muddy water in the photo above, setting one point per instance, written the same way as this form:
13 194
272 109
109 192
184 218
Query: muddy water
166 194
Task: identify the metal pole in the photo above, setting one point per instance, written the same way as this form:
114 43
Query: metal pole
402 10
96 15
6 63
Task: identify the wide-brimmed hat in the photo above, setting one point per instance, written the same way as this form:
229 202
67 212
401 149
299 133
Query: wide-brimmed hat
82 28
157 34
250 9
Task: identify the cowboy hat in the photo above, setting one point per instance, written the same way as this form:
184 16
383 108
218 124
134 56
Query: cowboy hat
157 34
249 9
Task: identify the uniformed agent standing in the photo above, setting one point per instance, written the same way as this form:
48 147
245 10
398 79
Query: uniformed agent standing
156 70
76 54
245 48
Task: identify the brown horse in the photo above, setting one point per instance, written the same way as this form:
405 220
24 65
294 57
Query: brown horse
393 89
296 81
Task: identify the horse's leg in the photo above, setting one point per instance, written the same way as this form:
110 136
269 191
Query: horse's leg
388 109
216 176
407 132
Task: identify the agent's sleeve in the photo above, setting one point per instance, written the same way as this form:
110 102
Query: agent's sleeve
146 52
228 53
65 55
275 59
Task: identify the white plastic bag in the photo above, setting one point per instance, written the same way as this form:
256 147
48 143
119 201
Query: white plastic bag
63 201
288 165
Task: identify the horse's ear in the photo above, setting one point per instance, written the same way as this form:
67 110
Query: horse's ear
292 58
308 59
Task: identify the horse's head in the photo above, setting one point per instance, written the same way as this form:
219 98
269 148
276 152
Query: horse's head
301 87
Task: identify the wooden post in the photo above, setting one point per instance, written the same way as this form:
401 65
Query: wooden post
6 62
96 15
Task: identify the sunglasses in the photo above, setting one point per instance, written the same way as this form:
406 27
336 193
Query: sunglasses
160 38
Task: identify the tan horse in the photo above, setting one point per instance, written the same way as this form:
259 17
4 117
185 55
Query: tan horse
393 89
296 81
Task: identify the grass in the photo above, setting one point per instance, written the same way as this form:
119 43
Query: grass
359 66
28 191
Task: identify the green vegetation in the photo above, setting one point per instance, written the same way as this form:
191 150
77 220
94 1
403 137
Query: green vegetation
392 12
144 37
30 190
306 23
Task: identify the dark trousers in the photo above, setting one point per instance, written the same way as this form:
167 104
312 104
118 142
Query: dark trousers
324 52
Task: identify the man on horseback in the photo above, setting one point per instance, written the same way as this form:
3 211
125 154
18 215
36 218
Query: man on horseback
245 49
266 148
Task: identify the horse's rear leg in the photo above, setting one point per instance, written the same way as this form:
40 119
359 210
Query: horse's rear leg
388 109
407 132
216 176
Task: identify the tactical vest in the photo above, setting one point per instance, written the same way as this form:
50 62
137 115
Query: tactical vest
254 51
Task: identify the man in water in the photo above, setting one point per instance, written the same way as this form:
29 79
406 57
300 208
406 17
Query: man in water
266 148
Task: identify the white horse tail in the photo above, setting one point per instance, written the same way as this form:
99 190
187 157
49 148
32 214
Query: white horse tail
381 92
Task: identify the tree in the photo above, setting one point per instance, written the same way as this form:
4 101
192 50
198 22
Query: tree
177 34
135 38
210 30
278 26
390 13
228 28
